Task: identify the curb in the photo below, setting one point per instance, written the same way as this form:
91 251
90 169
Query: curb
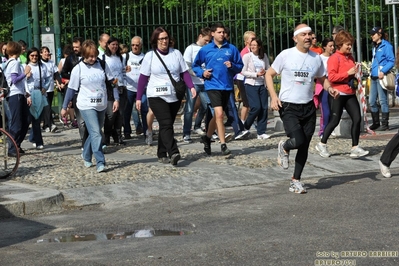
27 200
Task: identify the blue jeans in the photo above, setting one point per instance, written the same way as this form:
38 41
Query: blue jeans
35 135
257 99
94 121
232 115
131 110
377 90
189 109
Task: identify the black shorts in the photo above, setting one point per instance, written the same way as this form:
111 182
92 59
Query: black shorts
298 116
219 98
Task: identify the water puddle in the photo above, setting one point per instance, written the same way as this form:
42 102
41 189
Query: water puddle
101 236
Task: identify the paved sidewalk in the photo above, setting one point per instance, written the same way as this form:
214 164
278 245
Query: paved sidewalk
17 199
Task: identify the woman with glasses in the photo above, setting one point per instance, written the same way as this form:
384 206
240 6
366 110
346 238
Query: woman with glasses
161 92
38 80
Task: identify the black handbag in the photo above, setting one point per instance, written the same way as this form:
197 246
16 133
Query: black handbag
180 86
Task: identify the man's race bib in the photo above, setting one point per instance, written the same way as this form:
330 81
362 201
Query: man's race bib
302 77
162 90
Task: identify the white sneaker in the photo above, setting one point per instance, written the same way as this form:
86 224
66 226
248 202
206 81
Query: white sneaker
40 147
322 149
187 139
384 170
242 134
34 145
358 152
148 138
283 158
264 136
297 187
53 128
47 129
199 131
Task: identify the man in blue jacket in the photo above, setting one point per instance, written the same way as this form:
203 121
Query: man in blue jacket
222 62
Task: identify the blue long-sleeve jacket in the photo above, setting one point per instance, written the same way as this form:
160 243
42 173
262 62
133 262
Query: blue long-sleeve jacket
214 57
384 57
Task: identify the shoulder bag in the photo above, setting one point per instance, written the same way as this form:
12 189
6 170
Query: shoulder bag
180 86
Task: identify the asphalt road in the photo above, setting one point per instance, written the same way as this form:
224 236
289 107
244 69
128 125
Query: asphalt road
343 219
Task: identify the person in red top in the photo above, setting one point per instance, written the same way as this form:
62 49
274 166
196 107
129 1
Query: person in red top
341 69
315 48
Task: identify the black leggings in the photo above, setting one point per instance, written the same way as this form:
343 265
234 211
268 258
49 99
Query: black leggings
351 104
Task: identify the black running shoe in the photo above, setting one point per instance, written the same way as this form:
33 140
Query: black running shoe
207 144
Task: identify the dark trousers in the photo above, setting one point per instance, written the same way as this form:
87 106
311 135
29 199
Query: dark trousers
47 112
114 120
131 99
166 115
299 124
351 104
18 123
257 98
391 151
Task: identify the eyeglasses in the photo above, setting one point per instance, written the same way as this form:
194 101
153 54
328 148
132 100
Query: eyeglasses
163 39
135 45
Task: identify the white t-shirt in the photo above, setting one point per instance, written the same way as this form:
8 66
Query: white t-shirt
117 68
325 59
189 55
33 82
89 80
15 66
259 64
298 71
159 84
51 69
132 77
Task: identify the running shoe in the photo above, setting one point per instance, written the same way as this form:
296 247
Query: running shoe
175 158
199 131
297 187
282 156
225 150
322 149
264 136
53 128
384 170
187 139
207 144
358 152
242 134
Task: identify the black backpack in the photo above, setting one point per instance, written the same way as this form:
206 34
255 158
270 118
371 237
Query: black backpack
3 80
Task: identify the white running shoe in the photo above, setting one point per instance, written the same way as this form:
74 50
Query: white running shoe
242 134
199 131
358 152
297 187
384 170
322 149
264 136
282 156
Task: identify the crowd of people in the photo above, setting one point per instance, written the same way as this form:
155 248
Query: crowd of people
105 85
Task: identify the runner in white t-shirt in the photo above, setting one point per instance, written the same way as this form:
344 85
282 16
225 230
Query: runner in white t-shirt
298 68
88 79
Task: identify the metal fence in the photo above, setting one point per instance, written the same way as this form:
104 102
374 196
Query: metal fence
272 20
